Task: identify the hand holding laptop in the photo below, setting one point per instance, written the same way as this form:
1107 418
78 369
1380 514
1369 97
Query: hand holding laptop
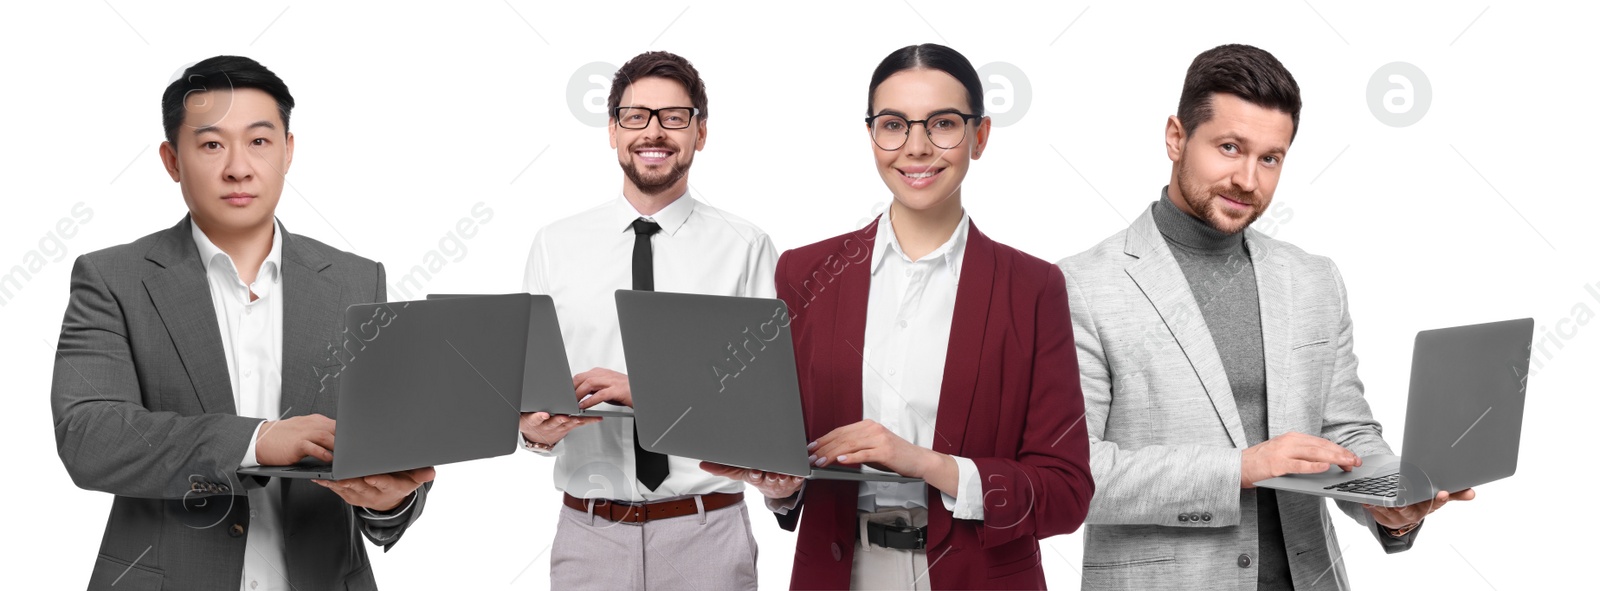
548 429
771 484
591 388
1401 517
379 492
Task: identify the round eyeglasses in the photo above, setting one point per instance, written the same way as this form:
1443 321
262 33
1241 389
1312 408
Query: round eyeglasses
945 129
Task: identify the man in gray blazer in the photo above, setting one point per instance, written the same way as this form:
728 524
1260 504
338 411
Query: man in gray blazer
205 347
1214 356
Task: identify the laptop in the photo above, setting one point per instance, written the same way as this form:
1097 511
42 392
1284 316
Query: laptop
545 376
1463 420
423 383
714 379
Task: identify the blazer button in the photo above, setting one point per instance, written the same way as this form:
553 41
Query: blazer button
1183 518
838 554
197 487
1244 561
1195 517
1205 517
236 530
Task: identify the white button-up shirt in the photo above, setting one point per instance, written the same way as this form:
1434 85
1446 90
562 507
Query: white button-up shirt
252 343
910 305
580 262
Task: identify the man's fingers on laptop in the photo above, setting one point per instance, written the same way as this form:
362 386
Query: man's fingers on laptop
1291 453
403 481
779 486
723 470
1325 455
531 420
617 394
421 475
542 427
1304 467
1397 517
581 377
606 385
308 448
280 443
360 492
771 484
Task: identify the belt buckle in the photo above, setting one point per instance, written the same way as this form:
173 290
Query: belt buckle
918 535
630 512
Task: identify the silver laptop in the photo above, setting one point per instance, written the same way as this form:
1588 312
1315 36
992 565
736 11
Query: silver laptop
1463 420
423 384
545 376
713 378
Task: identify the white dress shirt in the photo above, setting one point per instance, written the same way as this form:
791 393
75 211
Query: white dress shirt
580 262
252 342
910 305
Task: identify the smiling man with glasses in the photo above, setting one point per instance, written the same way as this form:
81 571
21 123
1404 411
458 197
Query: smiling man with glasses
634 519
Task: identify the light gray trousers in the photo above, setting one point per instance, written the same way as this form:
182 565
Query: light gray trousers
708 551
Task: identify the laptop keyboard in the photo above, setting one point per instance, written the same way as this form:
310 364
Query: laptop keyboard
1378 486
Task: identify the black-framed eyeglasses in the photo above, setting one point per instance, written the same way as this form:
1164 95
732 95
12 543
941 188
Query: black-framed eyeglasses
669 117
945 129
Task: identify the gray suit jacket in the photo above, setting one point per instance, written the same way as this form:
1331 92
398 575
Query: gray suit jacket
144 410
1165 437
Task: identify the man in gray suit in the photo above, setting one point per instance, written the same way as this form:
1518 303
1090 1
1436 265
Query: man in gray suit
206 347
1214 356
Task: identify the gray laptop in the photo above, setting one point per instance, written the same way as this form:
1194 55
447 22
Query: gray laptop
713 378
424 383
1463 420
545 376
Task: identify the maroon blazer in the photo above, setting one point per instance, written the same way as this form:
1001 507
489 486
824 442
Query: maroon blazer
1009 401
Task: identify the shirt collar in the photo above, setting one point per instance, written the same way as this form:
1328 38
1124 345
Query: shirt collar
951 251
672 217
209 252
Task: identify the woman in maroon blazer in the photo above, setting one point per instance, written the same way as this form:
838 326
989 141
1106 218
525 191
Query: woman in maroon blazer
927 349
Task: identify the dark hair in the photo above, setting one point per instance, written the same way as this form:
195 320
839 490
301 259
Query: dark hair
1243 71
660 64
933 57
223 72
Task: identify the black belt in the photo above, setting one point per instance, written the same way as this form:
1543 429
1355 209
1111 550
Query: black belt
897 536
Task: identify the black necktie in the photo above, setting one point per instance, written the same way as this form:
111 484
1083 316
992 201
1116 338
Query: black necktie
649 467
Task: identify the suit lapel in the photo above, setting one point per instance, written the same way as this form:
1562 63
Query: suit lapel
1275 289
310 311
850 329
963 354
1157 274
182 298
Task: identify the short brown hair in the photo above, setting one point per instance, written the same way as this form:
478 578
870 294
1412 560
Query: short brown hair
1243 71
660 64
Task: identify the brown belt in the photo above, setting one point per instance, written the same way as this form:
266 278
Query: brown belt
642 512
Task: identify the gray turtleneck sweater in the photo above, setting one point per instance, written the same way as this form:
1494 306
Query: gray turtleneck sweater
1223 281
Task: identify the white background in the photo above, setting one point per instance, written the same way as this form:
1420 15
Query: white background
411 114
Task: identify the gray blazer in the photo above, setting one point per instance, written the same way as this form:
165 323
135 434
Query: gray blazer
144 410
1165 436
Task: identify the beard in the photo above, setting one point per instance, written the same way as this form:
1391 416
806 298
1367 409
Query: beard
652 183
1202 201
